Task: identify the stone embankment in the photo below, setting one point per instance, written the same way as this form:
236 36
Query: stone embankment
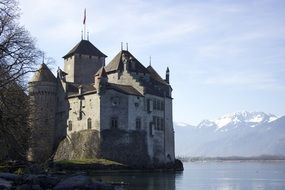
10 181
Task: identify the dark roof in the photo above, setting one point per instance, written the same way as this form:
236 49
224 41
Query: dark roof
72 88
86 48
132 63
115 64
155 76
90 89
126 89
43 75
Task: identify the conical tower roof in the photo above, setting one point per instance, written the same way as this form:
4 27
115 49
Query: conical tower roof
43 75
85 47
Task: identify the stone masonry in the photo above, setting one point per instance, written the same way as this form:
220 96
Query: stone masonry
124 105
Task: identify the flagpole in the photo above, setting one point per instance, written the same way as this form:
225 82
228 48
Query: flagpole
84 23
84 31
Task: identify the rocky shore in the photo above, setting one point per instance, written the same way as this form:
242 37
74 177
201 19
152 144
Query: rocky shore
55 181
67 175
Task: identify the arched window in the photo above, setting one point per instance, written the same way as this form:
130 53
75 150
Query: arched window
89 123
69 125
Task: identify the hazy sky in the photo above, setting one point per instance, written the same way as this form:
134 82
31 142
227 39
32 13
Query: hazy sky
224 56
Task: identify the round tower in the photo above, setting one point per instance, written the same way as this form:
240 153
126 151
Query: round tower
42 93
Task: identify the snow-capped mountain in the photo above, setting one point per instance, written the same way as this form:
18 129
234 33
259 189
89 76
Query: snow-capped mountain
239 119
241 134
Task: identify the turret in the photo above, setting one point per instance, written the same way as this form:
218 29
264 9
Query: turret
82 62
43 99
167 75
61 75
101 80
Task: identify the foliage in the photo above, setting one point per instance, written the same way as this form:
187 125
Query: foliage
18 56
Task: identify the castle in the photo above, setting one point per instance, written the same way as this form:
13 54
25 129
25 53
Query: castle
123 108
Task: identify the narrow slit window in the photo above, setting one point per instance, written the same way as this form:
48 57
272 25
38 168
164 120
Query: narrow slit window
89 123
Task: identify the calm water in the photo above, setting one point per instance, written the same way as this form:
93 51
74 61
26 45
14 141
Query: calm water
207 176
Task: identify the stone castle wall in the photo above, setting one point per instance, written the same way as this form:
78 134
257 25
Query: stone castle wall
89 108
127 147
125 78
43 108
82 68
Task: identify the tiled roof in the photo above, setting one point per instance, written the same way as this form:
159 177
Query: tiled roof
72 88
86 48
132 63
126 89
115 64
155 76
43 75
88 89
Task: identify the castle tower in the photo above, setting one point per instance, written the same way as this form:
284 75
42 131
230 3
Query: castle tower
82 62
43 100
101 80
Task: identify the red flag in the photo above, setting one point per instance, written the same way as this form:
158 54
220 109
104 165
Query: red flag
84 19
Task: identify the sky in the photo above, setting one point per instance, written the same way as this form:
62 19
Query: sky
224 56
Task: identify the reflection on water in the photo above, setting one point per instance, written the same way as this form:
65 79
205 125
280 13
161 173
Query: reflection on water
142 181
206 176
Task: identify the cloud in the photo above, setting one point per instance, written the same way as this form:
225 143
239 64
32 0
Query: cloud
217 43
246 80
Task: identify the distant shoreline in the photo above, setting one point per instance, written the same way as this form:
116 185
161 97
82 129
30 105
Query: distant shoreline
261 158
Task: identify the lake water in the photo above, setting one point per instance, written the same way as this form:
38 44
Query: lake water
207 176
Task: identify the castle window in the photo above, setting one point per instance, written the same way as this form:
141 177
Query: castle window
138 123
151 129
154 122
89 123
154 104
114 123
158 123
69 125
149 105
158 104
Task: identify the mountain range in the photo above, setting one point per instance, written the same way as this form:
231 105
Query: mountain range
237 134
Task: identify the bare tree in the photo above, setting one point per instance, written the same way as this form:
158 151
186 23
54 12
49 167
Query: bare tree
18 56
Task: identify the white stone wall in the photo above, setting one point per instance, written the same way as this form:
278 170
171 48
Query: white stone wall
90 109
127 108
113 105
156 142
136 111
169 131
125 78
161 143
69 68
